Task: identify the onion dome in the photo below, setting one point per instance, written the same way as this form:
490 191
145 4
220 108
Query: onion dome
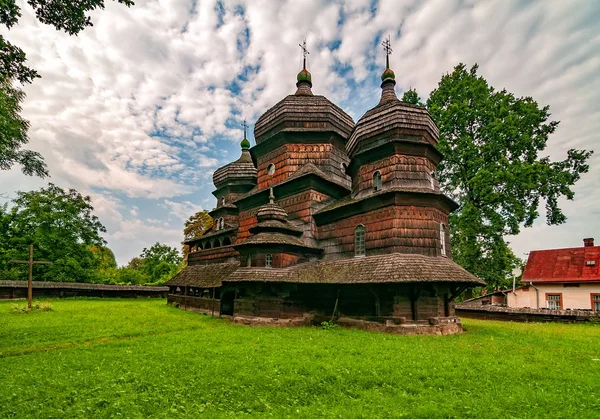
240 172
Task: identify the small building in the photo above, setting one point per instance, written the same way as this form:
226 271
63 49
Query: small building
327 218
560 279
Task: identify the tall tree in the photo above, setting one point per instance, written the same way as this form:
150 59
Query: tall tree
411 96
492 141
69 16
13 133
194 227
62 227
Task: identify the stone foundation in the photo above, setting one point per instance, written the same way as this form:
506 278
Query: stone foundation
433 326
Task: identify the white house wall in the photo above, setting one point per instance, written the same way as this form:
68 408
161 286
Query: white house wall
572 297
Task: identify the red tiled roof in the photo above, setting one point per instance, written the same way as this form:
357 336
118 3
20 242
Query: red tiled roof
563 265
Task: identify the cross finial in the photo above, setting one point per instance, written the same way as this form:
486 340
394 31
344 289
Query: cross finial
304 51
245 126
387 47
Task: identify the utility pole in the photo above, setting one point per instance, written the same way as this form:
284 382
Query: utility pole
30 262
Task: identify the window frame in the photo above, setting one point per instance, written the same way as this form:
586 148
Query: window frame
271 169
377 181
249 261
362 251
443 250
595 297
560 300
269 260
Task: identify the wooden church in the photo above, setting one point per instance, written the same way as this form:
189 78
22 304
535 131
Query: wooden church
326 219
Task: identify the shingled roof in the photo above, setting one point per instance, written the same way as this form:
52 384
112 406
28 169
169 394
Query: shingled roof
242 169
207 276
299 113
389 116
577 264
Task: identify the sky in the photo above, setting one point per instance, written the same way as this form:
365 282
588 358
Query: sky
140 109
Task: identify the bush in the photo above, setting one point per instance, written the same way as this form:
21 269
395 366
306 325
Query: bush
39 306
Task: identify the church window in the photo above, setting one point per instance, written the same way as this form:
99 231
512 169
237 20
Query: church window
432 180
359 241
222 201
269 260
271 169
443 239
222 223
377 181
248 261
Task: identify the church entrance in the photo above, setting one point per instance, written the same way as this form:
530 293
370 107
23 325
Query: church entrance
227 303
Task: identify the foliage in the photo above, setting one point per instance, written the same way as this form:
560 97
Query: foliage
61 226
13 133
71 17
491 142
150 360
411 96
196 226
38 306
155 266
329 325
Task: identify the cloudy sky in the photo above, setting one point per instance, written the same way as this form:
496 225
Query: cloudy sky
140 109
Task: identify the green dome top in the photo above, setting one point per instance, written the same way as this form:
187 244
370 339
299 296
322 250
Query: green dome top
388 74
304 75
245 144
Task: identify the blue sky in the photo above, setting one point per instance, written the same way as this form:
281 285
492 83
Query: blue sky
139 110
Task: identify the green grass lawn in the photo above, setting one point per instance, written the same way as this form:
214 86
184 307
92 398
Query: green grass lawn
141 358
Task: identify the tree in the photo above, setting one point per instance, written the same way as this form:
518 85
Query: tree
194 227
70 16
156 265
491 142
61 225
13 133
411 96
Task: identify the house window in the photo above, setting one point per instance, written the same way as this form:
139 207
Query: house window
269 260
222 224
554 301
377 181
432 180
596 302
359 241
271 169
248 261
443 239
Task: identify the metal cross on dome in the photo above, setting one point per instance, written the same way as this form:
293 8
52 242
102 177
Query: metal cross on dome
304 51
245 125
387 45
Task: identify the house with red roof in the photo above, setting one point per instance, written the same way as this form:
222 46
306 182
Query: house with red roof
560 279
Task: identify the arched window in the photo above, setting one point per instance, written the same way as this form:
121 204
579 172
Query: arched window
443 239
248 261
207 245
222 223
269 260
271 169
216 243
432 179
222 201
359 241
377 181
226 241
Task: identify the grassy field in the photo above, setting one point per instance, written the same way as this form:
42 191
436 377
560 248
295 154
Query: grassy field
141 358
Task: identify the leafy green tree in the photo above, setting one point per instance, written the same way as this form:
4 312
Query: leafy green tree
61 225
13 133
195 226
492 141
411 96
69 16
